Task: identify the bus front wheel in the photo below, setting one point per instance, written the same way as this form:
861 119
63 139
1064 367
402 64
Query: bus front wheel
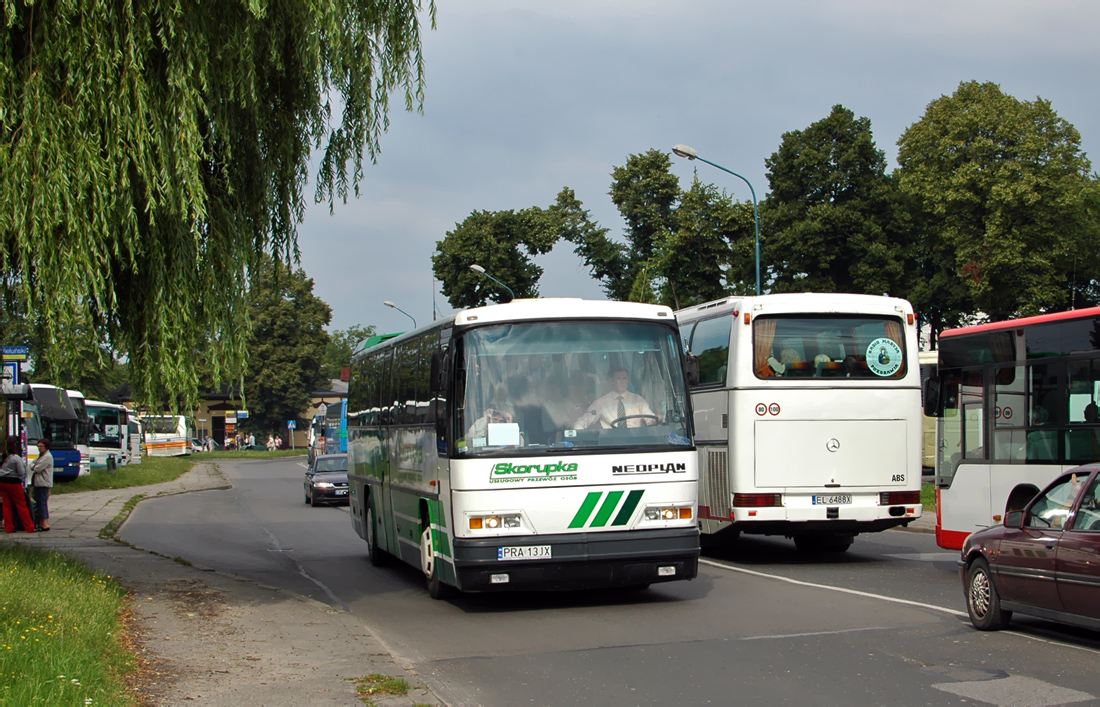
429 563
377 556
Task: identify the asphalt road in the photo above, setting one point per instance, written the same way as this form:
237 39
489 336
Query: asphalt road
881 623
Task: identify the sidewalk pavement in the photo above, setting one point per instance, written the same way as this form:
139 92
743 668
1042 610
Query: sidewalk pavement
925 524
209 638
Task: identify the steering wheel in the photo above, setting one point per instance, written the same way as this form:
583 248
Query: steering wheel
624 418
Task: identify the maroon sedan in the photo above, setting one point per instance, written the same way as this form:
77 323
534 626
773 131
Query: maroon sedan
1044 561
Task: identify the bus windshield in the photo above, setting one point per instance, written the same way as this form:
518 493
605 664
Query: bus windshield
570 384
32 423
162 425
106 428
828 346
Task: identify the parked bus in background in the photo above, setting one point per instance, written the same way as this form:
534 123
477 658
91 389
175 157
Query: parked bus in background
807 416
929 363
482 448
108 435
315 438
136 439
166 435
81 410
27 421
1016 403
336 428
62 426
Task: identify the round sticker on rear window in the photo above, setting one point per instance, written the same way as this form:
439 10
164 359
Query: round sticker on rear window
884 357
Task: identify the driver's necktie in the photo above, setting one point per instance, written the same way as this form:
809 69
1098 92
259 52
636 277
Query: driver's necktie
621 412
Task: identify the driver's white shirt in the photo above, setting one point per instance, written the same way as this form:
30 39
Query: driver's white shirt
605 410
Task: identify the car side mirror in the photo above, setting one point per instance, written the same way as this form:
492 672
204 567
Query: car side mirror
1014 519
691 369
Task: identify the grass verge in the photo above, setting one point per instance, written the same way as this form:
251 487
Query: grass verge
249 454
377 685
155 470
151 470
62 638
928 497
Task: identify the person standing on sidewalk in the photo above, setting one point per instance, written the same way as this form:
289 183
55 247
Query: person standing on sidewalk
13 475
42 469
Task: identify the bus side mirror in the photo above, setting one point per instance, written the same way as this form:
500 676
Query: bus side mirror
438 382
931 395
1014 519
691 369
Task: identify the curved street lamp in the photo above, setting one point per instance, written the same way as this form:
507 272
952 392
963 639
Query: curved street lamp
394 306
481 271
692 154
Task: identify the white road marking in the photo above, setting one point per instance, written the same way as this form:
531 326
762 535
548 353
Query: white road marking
881 597
927 556
869 595
1014 691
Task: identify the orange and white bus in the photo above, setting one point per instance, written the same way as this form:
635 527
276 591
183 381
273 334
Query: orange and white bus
166 435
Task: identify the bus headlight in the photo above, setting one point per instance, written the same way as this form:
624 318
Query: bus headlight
667 513
496 522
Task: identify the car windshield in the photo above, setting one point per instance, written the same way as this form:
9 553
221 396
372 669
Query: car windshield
330 464
570 384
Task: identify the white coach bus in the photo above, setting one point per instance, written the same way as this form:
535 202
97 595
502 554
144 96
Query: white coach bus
492 451
166 435
807 416
108 434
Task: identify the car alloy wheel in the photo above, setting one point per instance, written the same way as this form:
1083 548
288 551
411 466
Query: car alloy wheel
983 604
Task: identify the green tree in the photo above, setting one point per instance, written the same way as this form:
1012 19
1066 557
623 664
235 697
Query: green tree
493 240
151 153
698 263
830 216
287 345
605 258
646 193
1003 194
341 346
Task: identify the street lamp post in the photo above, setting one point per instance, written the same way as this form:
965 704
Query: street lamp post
691 154
394 306
480 270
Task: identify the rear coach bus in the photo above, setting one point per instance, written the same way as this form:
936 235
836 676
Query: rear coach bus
166 435
807 416
482 448
1017 405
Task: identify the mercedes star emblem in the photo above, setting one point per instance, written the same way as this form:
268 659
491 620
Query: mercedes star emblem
833 444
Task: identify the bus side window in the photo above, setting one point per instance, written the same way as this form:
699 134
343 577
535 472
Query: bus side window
710 343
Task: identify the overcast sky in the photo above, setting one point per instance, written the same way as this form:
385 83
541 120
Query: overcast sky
524 98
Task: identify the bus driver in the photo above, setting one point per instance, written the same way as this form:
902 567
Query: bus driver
619 408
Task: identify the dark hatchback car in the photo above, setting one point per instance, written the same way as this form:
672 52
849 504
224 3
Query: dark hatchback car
1044 561
327 480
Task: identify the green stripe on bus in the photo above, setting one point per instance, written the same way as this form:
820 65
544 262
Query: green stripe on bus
606 509
444 543
586 509
628 508
436 514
